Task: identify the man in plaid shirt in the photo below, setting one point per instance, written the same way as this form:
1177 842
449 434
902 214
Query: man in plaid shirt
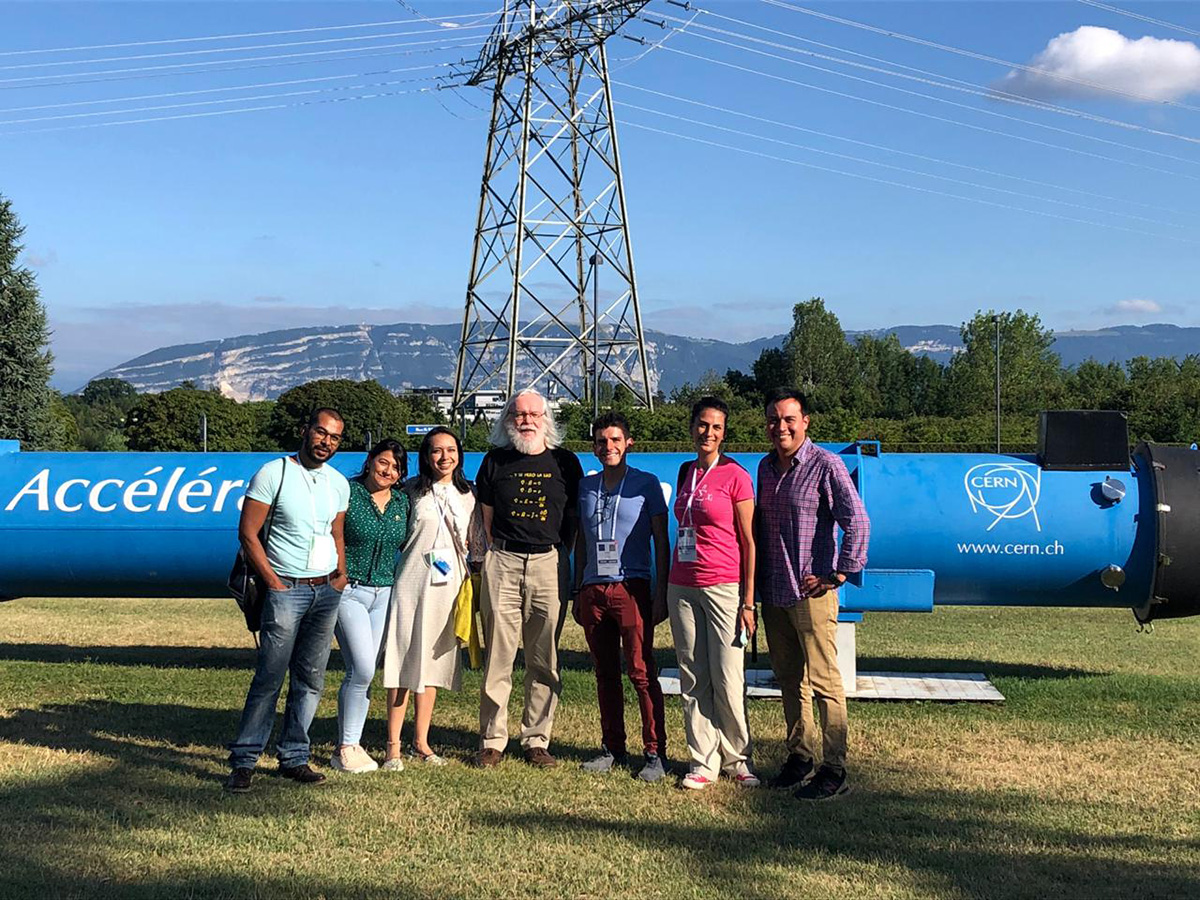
803 491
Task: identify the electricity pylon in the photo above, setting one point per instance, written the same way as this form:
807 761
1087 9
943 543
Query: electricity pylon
552 215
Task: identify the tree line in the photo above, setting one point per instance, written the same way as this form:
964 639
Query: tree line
864 389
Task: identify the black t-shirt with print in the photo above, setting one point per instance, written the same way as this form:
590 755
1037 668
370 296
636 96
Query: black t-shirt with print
529 493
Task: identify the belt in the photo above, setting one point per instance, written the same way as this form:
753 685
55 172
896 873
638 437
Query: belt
521 546
320 579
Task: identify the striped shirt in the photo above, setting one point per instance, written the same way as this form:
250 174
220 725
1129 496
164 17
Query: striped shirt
797 512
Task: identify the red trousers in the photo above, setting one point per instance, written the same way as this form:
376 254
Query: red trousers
615 618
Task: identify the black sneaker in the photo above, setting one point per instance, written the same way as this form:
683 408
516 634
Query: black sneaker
825 785
796 770
239 780
302 774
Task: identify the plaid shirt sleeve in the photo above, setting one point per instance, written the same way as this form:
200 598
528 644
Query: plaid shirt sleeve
850 514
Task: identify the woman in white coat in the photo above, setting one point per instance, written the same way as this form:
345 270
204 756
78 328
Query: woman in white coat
420 652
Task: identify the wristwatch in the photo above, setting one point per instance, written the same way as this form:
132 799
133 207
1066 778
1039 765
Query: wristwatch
836 578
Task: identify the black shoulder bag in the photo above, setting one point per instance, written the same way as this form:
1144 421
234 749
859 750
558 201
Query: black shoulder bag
245 584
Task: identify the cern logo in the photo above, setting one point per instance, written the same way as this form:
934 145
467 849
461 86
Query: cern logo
1005 490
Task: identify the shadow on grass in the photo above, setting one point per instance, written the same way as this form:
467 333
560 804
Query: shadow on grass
134 655
71 833
950 842
163 780
161 657
988 667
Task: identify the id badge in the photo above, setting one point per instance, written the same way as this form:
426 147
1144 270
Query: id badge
440 565
685 545
321 553
608 559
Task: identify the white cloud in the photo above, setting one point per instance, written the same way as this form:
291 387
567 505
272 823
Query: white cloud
1135 305
1154 68
41 260
1140 308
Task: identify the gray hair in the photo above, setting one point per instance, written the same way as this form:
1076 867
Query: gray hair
500 436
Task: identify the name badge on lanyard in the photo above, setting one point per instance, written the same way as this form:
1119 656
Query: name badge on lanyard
608 553
608 559
685 541
685 545
441 559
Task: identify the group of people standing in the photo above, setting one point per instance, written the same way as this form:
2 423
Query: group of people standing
380 562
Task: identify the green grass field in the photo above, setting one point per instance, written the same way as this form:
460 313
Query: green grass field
1085 783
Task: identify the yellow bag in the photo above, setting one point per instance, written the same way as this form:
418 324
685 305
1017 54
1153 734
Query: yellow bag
465 627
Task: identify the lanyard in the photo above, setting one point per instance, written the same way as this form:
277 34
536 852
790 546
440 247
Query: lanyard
687 510
446 521
312 499
616 506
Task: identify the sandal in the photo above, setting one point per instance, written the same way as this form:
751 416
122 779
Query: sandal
393 762
429 759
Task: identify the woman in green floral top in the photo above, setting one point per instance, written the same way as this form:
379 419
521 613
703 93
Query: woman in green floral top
376 528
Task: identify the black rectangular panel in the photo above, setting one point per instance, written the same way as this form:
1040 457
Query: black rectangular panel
1079 439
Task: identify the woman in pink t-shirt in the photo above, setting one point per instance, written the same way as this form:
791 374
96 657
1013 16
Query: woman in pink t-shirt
710 597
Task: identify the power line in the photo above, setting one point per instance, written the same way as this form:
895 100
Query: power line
899 184
195 103
935 79
870 162
947 120
218 90
1139 16
269 63
197 65
986 112
982 57
274 46
229 37
921 156
222 112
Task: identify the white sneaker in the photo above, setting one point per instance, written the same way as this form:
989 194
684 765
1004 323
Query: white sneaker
353 759
740 773
694 781
395 764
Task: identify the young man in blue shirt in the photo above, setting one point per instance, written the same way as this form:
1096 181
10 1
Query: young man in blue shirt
620 510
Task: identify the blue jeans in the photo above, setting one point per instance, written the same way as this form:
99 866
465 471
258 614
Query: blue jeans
360 620
296 637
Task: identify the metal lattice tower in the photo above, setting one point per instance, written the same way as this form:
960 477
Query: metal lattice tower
552 215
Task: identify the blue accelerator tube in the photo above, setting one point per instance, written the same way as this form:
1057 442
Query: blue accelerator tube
977 529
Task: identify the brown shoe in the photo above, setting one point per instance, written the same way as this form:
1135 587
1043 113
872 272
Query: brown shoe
488 758
302 774
540 757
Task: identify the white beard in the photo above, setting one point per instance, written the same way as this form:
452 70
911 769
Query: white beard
522 444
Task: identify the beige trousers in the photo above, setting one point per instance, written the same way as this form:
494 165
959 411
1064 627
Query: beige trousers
803 642
520 604
712 675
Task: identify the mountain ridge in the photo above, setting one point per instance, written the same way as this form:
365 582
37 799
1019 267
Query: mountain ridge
407 355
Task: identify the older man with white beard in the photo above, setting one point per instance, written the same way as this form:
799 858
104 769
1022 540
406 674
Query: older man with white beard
528 489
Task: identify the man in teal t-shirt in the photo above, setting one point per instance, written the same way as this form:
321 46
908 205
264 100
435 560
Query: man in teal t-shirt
304 567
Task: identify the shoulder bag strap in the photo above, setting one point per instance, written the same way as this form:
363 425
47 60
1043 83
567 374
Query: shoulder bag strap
274 503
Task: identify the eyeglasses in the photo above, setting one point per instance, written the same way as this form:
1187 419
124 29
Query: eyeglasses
531 416
322 434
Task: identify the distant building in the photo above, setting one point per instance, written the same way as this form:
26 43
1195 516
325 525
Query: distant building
489 404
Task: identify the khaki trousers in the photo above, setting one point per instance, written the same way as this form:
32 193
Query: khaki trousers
712 675
803 644
519 602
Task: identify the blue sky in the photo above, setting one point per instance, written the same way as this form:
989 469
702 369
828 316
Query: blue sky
185 229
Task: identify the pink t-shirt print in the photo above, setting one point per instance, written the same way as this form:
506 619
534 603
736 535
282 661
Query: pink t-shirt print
718 559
